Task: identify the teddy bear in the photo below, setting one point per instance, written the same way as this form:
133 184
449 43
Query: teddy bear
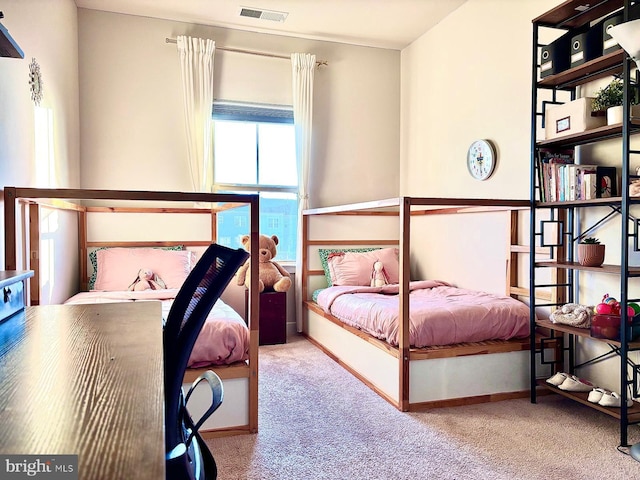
271 275
146 280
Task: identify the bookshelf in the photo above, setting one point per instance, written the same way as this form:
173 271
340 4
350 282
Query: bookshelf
560 192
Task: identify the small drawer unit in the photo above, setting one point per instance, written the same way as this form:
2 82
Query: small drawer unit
273 317
13 291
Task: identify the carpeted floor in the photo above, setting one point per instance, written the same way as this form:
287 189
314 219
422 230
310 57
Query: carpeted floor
317 421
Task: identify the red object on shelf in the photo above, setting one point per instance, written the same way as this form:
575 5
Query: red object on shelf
608 326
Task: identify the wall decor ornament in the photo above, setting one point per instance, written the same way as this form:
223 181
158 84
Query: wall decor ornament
35 82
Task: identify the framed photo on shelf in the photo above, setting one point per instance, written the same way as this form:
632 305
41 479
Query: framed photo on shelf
606 182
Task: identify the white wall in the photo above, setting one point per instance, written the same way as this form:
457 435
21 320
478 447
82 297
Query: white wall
468 78
132 118
47 31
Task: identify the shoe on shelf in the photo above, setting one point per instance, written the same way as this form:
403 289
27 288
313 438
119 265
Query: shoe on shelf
575 384
612 399
596 394
558 378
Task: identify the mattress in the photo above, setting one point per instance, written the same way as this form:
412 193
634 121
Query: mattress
224 338
439 313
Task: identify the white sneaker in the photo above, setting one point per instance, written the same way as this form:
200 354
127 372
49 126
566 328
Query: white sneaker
596 394
612 399
558 378
575 384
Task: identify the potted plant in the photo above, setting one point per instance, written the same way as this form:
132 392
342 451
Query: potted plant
590 252
609 99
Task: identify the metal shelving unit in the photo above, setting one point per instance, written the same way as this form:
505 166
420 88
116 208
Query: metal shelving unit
562 339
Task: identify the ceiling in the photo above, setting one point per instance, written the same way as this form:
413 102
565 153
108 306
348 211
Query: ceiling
392 24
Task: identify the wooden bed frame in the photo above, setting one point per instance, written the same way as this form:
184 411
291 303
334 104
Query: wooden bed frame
22 214
410 378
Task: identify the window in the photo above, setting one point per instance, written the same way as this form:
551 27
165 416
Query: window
254 152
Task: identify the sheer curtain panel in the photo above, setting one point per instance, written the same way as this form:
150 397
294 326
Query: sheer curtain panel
196 68
303 68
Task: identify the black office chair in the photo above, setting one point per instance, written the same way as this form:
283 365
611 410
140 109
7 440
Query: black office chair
187 455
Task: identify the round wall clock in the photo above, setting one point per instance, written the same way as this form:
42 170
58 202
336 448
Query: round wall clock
481 159
35 81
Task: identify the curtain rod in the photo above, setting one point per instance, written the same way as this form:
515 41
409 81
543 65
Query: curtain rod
251 52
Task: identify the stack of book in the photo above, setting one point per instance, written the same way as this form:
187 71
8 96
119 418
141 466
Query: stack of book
560 179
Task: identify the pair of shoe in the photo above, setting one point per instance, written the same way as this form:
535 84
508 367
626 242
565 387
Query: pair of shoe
570 383
607 399
557 379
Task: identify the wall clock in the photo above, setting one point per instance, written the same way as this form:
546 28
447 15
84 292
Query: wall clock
481 159
35 81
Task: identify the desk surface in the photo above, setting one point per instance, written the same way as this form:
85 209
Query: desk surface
85 380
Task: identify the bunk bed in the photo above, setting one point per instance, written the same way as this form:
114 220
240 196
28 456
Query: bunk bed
443 370
228 344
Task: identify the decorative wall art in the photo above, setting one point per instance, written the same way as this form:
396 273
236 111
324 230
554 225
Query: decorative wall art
35 82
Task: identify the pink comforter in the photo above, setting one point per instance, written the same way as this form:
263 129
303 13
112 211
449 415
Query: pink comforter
224 337
439 314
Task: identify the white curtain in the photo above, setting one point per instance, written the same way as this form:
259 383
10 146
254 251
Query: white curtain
303 68
196 67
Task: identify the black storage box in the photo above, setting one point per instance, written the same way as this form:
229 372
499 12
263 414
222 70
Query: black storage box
555 58
609 44
586 46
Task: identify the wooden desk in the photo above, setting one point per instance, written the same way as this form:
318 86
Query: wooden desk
85 380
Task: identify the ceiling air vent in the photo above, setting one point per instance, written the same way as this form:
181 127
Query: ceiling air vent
263 14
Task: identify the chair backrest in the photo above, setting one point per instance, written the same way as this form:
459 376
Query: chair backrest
195 299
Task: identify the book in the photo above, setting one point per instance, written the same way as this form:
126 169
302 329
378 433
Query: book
561 183
584 182
571 180
589 188
549 175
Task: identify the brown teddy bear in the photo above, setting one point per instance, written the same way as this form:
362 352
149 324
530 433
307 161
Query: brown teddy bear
272 275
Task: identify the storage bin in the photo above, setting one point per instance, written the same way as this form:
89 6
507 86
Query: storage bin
608 326
571 117
12 289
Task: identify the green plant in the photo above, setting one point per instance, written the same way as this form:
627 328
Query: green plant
590 241
611 96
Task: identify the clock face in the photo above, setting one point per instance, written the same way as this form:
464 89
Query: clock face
481 159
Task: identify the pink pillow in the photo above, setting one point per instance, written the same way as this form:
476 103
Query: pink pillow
118 267
354 268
